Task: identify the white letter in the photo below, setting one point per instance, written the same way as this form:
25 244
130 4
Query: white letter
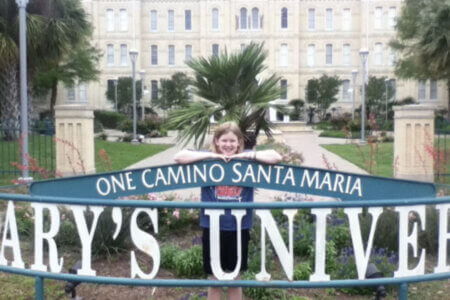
40 235
214 242
310 180
222 173
249 173
11 225
405 240
444 236
357 186
144 181
361 258
130 185
86 237
289 176
108 186
286 257
237 172
145 242
321 232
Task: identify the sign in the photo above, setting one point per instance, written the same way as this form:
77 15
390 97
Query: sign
295 179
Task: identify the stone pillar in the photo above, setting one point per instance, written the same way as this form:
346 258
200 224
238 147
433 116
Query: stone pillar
413 134
74 132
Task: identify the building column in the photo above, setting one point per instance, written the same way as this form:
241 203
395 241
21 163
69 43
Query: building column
413 142
74 132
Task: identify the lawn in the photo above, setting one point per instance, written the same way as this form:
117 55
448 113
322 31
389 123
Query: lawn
42 148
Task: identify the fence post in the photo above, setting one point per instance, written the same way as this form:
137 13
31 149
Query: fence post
403 291
74 133
413 139
39 288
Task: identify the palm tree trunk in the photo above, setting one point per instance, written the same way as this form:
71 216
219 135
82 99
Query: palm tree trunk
9 101
53 98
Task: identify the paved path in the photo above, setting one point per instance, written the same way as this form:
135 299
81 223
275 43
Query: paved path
307 143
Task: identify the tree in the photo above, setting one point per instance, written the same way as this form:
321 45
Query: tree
229 85
54 30
174 92
423 41
322 93
376 96
297 109
124 94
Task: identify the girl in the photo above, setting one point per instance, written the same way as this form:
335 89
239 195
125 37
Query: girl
227 144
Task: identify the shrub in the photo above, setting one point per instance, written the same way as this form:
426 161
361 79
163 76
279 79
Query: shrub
260 293
302 271
127 138
102 136
98 127
168 254
109 119
189 263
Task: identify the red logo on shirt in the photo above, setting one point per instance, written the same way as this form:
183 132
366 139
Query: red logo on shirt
229 193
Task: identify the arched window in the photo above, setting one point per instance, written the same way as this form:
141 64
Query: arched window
284 17
243 18
255 18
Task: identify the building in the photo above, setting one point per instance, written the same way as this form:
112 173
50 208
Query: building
304 38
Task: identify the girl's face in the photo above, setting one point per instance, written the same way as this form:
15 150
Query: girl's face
227 144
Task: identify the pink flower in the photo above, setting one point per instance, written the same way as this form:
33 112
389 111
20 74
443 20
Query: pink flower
168 222
176 213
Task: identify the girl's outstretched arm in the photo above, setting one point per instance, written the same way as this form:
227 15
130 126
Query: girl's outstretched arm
188 156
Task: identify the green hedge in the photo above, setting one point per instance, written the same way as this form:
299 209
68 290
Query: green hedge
109 119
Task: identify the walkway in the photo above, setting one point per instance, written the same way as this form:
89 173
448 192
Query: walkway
307 143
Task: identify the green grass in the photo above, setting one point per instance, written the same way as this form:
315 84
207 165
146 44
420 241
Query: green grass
339 134
383 157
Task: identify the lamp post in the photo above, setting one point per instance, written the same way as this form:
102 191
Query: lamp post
133 57
142 73
116 82
354 74
22 4
386 82
364 53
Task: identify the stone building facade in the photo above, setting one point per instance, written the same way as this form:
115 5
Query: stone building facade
304 39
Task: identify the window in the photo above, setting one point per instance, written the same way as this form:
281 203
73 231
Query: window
154 55
123 55
347 20
311 56
123 20
187 20
311 19
393 85
329 19
171 20
329 54
109 20
154 20
215 50
378 54
284 55
82 97
346 60
171 60
154 84
255 18
422 91
243 18
70 93
110 55
346 90
378 17
433 90
392 17
188 52
215 19
284 18
283 85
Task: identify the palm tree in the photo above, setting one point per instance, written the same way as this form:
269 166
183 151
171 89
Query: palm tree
230 89
54 29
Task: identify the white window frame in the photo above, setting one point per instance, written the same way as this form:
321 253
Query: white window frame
187 52
110 20
154 91
123 55
82 92
123 17
284 55
346 55
256 24
311 19
284 85
347 19
346 90
378 49
154 20
187 19
329 19
422 91
311 55
215 18
378 18
154 55
70 93
243 21
171 55
171 20
329 54
433 90
284 18
110 55
392 22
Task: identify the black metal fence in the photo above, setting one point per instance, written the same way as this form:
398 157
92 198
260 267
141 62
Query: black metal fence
41 149
442 156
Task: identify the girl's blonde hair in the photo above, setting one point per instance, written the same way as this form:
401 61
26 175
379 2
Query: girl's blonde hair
225 128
